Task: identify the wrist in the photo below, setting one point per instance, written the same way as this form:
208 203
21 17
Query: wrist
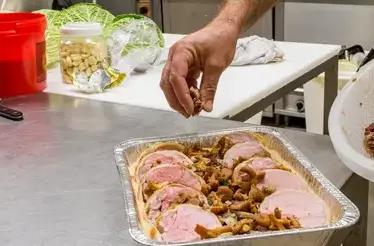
227 25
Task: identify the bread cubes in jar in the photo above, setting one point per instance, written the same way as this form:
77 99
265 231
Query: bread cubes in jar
82 49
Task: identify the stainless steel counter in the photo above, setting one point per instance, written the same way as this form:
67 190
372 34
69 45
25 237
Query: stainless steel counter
59 184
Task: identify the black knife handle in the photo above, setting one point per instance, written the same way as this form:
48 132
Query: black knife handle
367 59
11 114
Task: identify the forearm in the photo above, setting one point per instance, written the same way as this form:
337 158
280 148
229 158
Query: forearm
243 13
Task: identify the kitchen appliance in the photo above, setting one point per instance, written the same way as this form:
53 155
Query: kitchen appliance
24 5
186 16
321 21
291 105
183 16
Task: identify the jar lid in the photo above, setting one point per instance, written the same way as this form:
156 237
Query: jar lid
82 29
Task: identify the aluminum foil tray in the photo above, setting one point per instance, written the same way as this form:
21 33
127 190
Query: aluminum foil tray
343 212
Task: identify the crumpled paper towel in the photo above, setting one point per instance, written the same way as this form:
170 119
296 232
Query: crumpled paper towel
256 50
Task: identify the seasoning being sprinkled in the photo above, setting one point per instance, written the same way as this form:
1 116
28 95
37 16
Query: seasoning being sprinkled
198 104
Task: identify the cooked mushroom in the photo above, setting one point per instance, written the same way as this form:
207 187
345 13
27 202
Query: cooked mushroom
261 219
267 190
219 209
220 148
256 194
241 206
240 196
225 174
224 193
198 104
243 226
211 233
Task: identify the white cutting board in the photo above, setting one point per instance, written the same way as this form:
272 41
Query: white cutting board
239 87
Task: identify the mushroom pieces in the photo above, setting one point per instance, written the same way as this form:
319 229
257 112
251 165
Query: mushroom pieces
249 222
257 164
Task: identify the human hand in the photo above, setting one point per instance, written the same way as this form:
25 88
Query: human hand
208 51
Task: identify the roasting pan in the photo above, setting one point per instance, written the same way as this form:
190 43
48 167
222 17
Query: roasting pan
344 213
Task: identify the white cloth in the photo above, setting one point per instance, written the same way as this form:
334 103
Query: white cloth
250 50
256 50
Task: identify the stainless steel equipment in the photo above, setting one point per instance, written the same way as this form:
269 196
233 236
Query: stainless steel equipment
186 16
291 105
24 5
117 7
182 16
345 22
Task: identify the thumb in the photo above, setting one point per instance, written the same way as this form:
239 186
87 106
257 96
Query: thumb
208 86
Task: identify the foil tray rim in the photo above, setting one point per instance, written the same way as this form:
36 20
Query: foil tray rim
350 216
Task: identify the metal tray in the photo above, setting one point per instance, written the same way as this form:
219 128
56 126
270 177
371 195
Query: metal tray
343 212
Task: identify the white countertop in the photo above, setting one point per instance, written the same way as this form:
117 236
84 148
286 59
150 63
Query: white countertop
239 87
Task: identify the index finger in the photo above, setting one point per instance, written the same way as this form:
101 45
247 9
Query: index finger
179 68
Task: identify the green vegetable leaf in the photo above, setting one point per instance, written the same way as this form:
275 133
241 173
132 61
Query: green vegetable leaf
52 16
86 12
52 38
128 16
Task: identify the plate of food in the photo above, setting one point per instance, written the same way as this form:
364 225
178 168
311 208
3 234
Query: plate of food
228 187
351 121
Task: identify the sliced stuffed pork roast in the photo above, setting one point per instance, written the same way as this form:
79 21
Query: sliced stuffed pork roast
308 208
281 180
161 157
244 150
172 195
166 174
240 137
161 146
178 224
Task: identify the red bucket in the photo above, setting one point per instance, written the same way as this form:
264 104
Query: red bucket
22 54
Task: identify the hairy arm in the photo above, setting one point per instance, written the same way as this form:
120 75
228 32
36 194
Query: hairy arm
242 13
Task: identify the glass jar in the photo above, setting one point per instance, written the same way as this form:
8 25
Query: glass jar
82 49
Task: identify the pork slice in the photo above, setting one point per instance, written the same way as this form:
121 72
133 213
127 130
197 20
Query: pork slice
282 180
161 157
173 174
240 137
307 207
178 224
163 198
241 150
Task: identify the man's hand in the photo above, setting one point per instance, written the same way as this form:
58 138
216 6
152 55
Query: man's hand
208 51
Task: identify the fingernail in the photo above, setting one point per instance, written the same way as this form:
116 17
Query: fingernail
208 106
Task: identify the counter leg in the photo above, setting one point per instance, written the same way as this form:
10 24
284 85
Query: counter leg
330 92
357 190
